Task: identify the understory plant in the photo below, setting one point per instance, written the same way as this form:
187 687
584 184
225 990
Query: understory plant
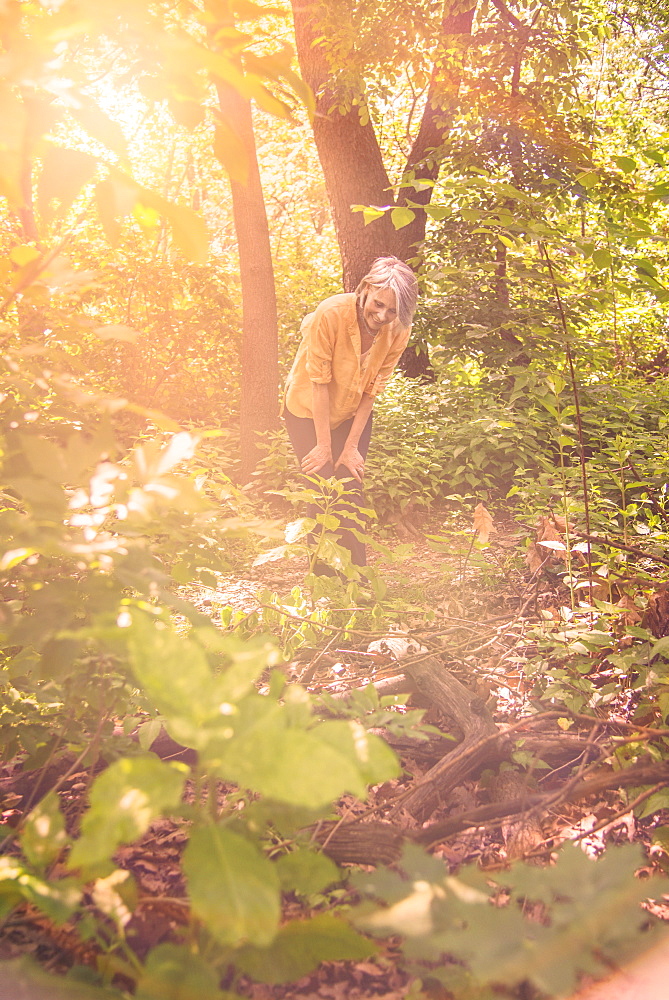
474 436
97 641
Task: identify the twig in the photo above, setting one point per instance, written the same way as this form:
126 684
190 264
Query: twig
622 546
577 403
630 807
307 674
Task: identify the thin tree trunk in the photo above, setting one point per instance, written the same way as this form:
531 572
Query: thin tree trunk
259 409
424 160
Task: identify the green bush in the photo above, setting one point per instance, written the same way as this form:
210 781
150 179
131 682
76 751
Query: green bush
466 437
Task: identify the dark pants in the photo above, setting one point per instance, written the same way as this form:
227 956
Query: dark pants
302 435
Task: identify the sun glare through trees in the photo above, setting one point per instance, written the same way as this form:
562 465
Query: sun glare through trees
239 759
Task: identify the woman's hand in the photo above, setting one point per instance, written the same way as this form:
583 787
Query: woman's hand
316 459
353 461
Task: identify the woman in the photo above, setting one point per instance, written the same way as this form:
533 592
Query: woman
350 346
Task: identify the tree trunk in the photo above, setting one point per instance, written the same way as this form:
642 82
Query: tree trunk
349 154
424 160
259 409
352 162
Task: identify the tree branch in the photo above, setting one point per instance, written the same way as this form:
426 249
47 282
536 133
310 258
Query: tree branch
508 16
621 545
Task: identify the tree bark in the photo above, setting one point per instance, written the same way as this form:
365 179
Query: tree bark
349 154
351 158
259 409
424 160
349 151
481 741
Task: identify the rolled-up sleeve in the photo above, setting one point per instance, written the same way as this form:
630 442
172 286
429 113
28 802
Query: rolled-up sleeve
380 380
320 338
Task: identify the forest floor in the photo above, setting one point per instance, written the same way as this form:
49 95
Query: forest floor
473 615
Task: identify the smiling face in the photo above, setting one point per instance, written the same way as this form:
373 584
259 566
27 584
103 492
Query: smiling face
379 308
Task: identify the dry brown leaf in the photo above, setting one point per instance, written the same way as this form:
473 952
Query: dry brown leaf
632 615
534 558
548 533
483 523
561 523
656 617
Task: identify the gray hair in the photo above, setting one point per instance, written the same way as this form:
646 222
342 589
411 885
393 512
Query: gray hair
393 273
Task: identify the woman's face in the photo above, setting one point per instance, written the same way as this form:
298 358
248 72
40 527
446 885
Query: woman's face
379 307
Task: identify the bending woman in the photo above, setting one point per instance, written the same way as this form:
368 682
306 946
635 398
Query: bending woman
350 346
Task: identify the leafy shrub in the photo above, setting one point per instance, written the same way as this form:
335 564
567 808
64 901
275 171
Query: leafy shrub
93 549
463 437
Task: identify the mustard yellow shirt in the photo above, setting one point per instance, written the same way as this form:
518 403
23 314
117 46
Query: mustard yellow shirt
330 353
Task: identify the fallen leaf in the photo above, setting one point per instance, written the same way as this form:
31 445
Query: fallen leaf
631 613
535 559
483 523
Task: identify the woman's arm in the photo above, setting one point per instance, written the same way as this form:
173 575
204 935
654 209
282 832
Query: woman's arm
321 453
350 456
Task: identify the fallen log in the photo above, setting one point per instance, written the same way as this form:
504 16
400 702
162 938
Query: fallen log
482 741
557 749
362 843
375 843
640 774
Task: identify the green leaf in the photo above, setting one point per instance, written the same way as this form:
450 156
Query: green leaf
233 888
266 756
125 799
370 212
329 521
175 674
306 871
43 836
656 803
660 648
301 946
14 557
188 228
148 732
100 126
185 112
588 179
401 217
595 915
437 212
116 896
298 529
189 232
58 899
173 972
601 259
368 753
64 173
626 163
657 155
24 980
115 199
22 255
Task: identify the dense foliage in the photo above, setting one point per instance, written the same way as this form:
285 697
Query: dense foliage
544 280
